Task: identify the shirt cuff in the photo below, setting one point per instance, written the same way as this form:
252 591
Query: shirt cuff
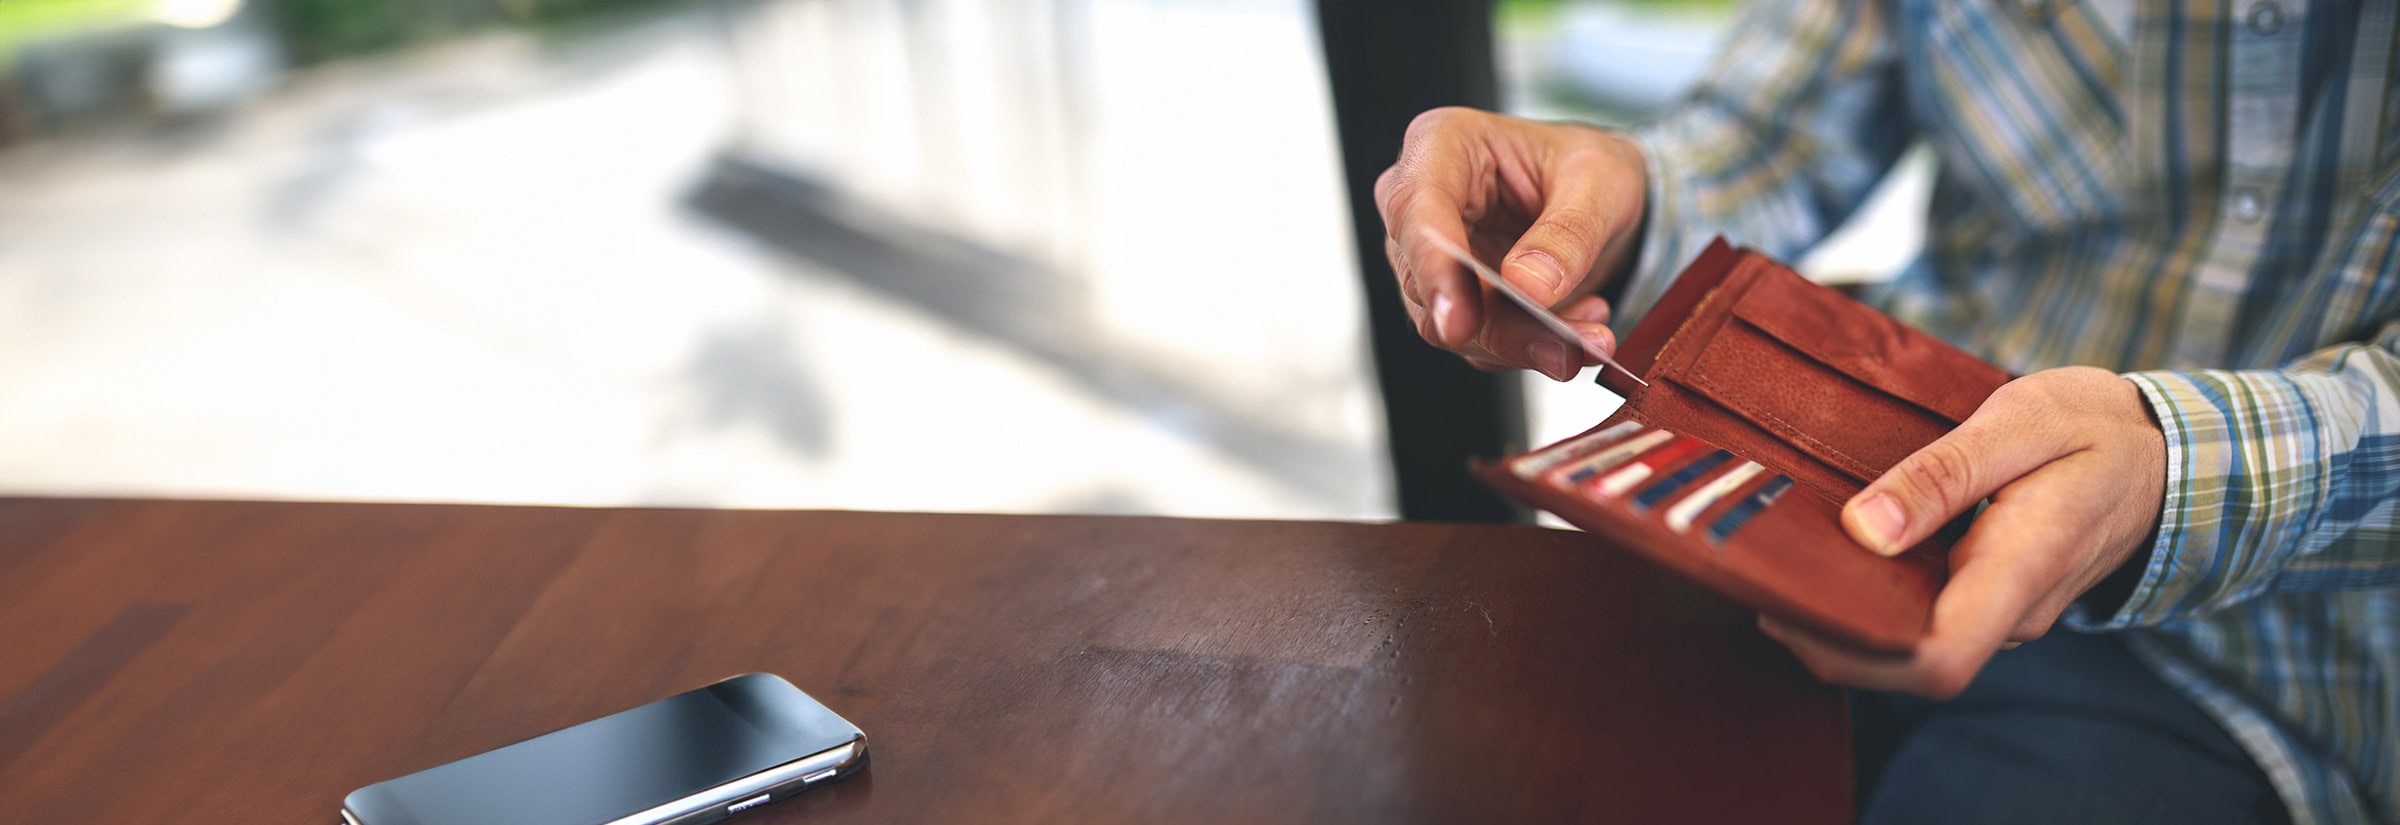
2170 399
2191 566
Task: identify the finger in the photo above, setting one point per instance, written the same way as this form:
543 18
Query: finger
1598 340
1833 662
1487 365
1507 332
1549 262
1428 320
1554 256
1424 192
1589 316
1436 281
1588 308
1417 313
1423 318
2049 524
1558 360
2006 438
1510 335
1992 585
1971 620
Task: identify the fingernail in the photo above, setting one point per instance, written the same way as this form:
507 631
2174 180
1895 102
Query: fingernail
1599 342
1441 316
1542 267
1879 522
1551 358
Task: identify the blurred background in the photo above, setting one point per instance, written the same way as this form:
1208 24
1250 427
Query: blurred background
1055 256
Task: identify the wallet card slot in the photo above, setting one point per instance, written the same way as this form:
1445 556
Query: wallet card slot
1680 480
1592 466
1723 527
1739 532
1675 477
1590 444
1688 509
1796 544
1652 464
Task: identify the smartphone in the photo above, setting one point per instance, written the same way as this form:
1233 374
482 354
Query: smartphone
698 756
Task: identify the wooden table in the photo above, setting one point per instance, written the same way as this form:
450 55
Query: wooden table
253 662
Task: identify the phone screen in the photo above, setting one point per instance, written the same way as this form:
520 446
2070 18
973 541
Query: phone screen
618 765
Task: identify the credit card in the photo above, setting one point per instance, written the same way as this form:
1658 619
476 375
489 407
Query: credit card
1540 313
1632 475
1530 466
1680 516
1583 469
1741 514
1666 488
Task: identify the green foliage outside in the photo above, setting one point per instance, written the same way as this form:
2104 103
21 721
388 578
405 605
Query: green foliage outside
25 21
318 30
1536 15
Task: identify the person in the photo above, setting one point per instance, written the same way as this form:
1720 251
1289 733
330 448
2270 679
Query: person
2179 223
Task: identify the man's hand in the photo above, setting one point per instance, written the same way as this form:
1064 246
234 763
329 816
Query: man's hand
1556 206
2075 467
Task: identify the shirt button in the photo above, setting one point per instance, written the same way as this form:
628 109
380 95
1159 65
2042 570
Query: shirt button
2246 206
2266 17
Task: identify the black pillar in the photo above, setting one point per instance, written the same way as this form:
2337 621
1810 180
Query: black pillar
1389 60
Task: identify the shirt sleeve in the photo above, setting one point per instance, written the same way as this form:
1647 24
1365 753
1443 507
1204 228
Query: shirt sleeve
2277 481
1798 116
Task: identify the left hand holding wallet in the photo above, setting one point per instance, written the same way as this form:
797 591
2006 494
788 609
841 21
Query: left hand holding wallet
2075 467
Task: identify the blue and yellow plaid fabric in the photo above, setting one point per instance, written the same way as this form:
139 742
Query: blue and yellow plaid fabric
2203 195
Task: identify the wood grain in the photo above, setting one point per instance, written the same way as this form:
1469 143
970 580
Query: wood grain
253 662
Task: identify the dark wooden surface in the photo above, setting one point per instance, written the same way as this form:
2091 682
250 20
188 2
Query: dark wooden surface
253 662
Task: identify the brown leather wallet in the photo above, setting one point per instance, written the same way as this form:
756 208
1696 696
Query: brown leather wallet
1761 366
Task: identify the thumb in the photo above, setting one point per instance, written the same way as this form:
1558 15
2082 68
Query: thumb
1554 255
1945 478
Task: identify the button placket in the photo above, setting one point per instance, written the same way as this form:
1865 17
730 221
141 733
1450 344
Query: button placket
2266 17
2247 205
2260 104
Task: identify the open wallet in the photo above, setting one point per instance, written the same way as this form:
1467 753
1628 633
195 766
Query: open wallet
1769 402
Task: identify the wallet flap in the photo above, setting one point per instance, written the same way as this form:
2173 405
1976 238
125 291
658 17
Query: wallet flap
1828 380
1870 346
1640 348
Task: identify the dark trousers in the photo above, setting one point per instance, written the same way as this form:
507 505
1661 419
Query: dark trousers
2068 728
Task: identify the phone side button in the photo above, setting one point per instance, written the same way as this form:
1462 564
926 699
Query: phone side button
747 804
819 776
699 817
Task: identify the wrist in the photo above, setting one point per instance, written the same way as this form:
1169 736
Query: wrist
2107 597
1623 252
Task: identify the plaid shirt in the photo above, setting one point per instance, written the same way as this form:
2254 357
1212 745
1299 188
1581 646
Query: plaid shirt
2203 195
